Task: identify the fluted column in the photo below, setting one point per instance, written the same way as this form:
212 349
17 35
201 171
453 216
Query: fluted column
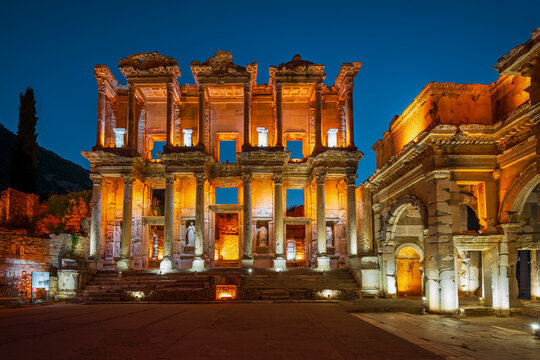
318 115
202 107
279 114
198 261
95 223
170 114
101 117
132 119
168 228
323 261
248 234
279 262
352 245
127 223
349 113
247 116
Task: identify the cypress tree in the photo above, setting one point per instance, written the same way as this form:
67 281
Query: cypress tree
23 172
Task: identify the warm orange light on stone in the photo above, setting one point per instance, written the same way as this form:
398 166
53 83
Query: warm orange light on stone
225 292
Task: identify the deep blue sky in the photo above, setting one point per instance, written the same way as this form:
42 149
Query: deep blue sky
54 45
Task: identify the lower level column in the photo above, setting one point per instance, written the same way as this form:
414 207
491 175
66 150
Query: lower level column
352 245
323 261
168 228
127 223
198 261
247 259
95 223
279 262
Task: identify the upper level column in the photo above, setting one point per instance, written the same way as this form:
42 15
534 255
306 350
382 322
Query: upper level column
202 107
318 115
100 133
170 114
349 112
132 121
279 113
247 116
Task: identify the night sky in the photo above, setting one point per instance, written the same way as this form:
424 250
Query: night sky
53 46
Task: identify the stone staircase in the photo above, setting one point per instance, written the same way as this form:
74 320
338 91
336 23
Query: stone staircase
300 284
136 286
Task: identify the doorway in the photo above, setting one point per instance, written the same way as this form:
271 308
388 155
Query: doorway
409 273
227 240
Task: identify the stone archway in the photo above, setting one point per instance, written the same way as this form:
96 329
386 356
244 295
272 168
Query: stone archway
405 226
409 270
517 194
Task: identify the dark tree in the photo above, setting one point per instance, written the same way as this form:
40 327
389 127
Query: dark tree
24 159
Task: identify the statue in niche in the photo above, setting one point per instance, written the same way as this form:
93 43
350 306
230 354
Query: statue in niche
262 236
109 249
329 237
155 242
190 235
117 250
136 247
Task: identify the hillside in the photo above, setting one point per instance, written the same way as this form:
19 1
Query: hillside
55 174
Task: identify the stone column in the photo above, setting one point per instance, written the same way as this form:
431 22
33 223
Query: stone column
352 245
133 127
280 263
279 114
389 269
349 112
127 223
95 224
202 110
323 261
198 261
507 266
101 116
247 116
247 259
318 115
170 114
167 263
440 271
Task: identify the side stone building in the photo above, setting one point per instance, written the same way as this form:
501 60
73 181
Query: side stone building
451 212
157 207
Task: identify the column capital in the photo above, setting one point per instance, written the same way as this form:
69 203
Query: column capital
318 86
247 177
247 87
200 177
278 86
278 178
170 178
438 175
96 179
320 178
350 179
128 178
377 207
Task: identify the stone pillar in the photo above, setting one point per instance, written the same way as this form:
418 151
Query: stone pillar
247 116
170 114
389 269
127 223
508 253
133 126
535 274
167 263
352 245
198 261
95 224
279 114
202 109
323 261
349 113
101 116
318 115
280 262
247 259
440 269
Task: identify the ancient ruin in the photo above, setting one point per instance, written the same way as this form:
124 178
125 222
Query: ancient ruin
293 133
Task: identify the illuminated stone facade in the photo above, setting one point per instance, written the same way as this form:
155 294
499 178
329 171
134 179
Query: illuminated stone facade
453 203
168 199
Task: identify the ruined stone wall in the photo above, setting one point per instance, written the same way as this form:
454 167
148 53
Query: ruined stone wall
21 255
18 208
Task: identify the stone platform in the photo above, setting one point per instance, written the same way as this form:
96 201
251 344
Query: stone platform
187 286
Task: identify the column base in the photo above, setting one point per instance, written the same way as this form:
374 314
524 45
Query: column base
123 264
247 263
198 264
166 264
323 263
280 264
